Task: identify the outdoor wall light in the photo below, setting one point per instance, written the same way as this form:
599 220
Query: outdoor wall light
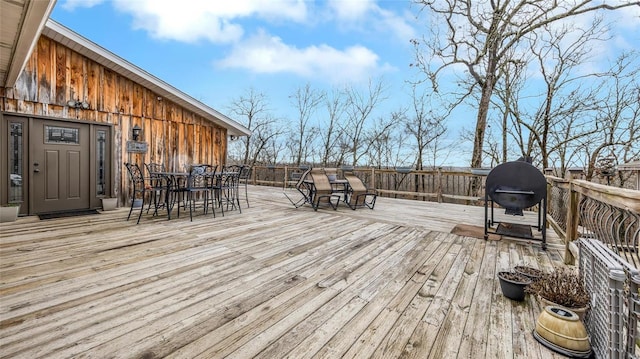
135 131
233 137
78 104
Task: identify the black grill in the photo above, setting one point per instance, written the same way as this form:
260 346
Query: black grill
516 186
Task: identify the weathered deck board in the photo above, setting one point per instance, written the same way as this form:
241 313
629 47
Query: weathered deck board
271 282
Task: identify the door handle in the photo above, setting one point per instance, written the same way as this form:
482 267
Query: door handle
36 170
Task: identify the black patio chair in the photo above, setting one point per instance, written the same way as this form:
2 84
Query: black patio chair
138 187
214 179
245 175
229 189
199 185
156 185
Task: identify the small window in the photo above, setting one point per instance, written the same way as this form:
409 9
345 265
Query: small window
65 135
101 156
16 156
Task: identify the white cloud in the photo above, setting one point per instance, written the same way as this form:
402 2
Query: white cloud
350 10
628 18
215 21
269 54
228 23
367 15
391 22
70 5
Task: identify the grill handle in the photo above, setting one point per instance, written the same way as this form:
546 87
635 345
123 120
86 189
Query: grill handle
514 192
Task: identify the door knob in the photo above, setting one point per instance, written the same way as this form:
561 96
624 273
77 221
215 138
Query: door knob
36 170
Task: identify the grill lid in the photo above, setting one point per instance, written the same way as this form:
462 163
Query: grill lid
516 185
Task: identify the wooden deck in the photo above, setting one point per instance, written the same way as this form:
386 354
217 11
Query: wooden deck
271 282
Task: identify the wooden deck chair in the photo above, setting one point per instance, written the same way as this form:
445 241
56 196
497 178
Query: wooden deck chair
304 190
358 194
322 192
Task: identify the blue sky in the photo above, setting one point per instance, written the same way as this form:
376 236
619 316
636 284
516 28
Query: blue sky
216 50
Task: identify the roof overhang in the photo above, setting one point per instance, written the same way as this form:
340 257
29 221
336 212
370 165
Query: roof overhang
22 21
100 55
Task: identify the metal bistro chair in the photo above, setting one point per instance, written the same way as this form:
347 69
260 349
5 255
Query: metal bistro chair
199 184
214 187
245 175
156 185
139 187
229 188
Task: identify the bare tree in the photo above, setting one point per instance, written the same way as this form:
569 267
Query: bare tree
331 136
561 109
423 123
481 36
507 112
384 144
305 100
264 139
269 149
617 115
439 151
359 107
252 108
568 96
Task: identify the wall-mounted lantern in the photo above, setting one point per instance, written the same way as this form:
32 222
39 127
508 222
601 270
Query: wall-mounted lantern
135 132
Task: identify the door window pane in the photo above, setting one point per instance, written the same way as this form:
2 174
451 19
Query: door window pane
101 153
16 156
56 134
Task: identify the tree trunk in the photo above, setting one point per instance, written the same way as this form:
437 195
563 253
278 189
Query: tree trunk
481 123
505 117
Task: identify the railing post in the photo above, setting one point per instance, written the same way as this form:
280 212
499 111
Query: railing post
439 185
572 222
373 178
286 176
549 193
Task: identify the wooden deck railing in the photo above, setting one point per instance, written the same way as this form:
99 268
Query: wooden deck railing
579 208
576 208
435 185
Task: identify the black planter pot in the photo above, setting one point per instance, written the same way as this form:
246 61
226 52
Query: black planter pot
513 284
530 272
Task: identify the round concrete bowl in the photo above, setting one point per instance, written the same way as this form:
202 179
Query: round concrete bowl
560 330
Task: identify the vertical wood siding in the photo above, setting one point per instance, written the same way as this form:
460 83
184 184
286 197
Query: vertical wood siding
54 75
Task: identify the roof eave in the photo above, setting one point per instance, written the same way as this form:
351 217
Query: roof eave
33 22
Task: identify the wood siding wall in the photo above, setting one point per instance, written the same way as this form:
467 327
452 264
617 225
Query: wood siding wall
55 75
